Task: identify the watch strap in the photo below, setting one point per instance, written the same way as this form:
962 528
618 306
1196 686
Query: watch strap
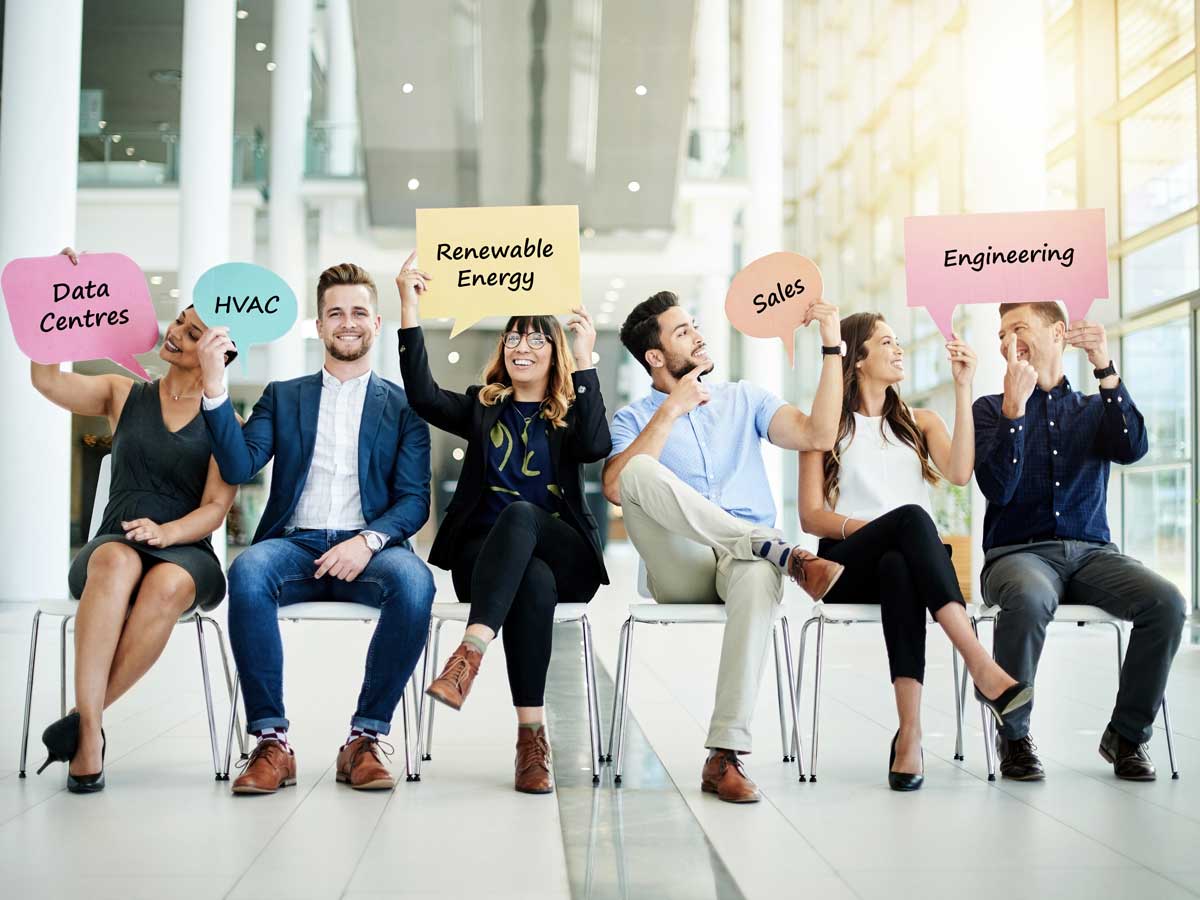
1108 370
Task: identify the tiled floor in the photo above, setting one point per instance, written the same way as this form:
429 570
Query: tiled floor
165 828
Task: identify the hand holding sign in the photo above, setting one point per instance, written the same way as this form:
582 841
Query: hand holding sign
1005 258
1093 340
775 295
254 304
67 308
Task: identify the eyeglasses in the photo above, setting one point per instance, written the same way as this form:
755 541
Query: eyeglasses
535 339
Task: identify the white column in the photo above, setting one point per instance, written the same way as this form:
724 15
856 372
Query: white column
206 149
290 89
1005 160
341 90
762 221
39 142
712 76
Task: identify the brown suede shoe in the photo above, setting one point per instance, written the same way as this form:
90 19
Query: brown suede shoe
270 767
360 765
453 685
724 776
812 573
533 762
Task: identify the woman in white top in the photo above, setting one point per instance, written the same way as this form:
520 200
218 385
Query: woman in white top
868 501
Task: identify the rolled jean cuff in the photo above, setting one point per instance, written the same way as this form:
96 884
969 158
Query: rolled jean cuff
376 725
729 739
261 724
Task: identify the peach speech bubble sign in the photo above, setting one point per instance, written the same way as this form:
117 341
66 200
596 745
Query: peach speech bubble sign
1005 258
99 309
770 297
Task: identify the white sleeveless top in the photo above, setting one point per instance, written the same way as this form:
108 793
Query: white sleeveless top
878 472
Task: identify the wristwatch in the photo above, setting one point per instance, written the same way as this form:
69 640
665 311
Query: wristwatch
1110 369
374 540
838 349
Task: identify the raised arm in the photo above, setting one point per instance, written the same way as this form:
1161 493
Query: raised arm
1000 433
1122 434
791 429
589 439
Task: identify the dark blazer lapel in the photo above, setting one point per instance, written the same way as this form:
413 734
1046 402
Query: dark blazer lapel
368 428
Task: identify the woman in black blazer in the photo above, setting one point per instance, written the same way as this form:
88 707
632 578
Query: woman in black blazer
517 536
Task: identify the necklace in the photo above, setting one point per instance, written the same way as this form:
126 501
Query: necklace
178 397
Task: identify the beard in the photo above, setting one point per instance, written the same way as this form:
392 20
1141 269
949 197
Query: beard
364 347
679 366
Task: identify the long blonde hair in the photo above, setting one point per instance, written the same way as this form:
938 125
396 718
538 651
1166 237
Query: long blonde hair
856 331
560 392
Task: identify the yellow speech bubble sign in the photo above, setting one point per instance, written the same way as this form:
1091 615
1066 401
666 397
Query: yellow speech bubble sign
499 261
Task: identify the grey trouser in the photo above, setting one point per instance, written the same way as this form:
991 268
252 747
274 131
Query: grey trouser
1029 581
696 552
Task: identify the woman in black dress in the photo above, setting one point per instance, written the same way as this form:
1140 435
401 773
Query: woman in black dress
517 537
152 558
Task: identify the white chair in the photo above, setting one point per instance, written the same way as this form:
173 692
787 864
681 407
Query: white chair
454 611
1079 614
66 611
855 614
695 614
325 611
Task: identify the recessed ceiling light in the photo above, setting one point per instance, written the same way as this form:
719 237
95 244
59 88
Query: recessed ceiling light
116 139
617 283
243 13
453 357
640 90
595 357
413 184
634 187
270 67
129 151
102 124
173 292
260 46
607 306
156 279
407 87
612 296
603 319
588 232
457 453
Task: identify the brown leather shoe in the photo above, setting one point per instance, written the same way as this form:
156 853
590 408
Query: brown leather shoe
724 776
270 767
817 576
533 762
360 765
453 685
1129 760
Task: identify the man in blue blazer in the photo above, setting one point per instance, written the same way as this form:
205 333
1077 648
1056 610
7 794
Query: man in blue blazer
349 487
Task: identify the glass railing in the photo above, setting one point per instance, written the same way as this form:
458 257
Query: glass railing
151 159
714 153
333 151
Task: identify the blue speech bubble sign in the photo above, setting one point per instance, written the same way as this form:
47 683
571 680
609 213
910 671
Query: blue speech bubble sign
253 302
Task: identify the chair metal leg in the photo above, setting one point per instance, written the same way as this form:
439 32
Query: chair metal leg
241 733
1166 712
233 702
212 722
413 709
422 699
618 683
589 685
816 731
33 641
793 693
62 665
800 689
784 735
409 769
628 652
431 707
958 713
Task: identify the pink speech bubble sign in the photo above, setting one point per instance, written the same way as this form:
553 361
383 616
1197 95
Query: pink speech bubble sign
99 309
1005 258
770 297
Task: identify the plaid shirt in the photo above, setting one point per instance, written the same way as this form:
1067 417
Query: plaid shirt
1045 475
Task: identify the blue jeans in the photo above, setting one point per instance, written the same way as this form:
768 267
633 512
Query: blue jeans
279 572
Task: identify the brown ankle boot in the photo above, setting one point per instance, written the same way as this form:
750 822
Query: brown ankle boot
453 685
817 576
533 761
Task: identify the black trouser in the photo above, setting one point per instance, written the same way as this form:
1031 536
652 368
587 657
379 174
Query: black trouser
513 575
899 560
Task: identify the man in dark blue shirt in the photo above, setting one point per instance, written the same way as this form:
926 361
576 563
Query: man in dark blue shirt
1042 456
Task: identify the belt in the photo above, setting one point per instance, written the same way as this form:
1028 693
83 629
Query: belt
1044 537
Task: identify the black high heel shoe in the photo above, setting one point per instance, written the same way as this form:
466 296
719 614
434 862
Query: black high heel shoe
61 739
89 784
1013 698
904 781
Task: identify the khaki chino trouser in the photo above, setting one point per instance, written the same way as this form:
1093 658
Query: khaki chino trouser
696 552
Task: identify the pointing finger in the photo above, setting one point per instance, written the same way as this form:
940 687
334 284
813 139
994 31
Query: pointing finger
408 262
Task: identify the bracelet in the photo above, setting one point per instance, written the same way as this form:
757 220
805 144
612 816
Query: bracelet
845 519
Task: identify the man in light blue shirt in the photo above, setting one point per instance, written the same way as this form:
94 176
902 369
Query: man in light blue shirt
687 469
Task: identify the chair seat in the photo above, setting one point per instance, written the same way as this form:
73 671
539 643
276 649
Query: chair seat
328 611
1066 612
60 607
686 613
453 611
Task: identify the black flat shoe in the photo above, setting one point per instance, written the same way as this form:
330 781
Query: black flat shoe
903 781
61 739
1013 698
89 784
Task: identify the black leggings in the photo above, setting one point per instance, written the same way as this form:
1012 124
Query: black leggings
513 575
899 560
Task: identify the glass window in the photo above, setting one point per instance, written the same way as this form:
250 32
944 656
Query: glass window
1055 8
1158 522
1060 82
1060 185
1156 362
1162 270
1151 34
1158 159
